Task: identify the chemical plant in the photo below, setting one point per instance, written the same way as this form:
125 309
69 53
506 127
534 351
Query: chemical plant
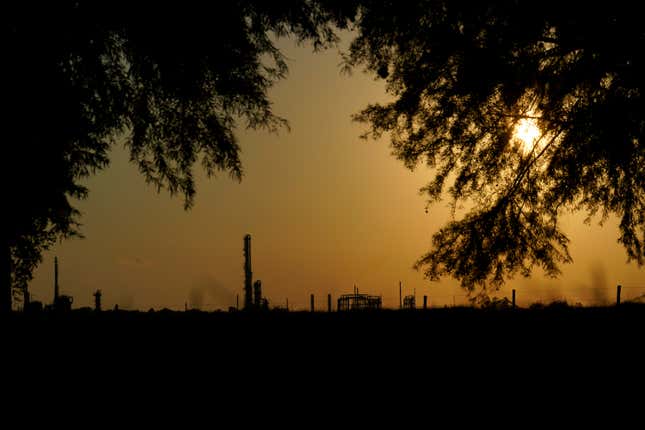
253 299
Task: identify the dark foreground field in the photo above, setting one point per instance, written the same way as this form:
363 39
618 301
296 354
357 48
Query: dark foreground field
543 359
456 333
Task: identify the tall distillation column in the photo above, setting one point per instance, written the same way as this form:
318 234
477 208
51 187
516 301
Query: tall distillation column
248 274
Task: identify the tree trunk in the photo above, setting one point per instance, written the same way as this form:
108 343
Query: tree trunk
5 277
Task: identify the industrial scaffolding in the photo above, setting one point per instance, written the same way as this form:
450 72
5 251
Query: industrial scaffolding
359 302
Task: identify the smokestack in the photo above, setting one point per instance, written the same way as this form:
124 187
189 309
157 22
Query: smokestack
257 293
248 274
55 280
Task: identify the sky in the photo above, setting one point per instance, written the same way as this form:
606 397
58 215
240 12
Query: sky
325 209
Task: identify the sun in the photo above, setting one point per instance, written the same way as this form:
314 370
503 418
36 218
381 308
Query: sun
528 133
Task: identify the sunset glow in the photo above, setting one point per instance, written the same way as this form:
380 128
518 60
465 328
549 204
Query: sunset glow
528 133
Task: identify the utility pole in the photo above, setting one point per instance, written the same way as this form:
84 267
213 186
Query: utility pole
97 300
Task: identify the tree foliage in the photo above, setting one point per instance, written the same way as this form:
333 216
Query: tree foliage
464 75
173 79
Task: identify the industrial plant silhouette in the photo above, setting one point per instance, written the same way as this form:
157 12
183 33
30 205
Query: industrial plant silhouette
254 301
359 307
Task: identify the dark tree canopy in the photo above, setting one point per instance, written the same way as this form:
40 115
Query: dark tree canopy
174 78
464 74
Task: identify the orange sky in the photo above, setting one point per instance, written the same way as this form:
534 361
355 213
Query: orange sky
326 210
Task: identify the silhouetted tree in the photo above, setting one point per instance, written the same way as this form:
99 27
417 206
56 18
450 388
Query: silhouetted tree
464 74
171 78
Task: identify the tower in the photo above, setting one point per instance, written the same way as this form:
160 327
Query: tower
248 274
